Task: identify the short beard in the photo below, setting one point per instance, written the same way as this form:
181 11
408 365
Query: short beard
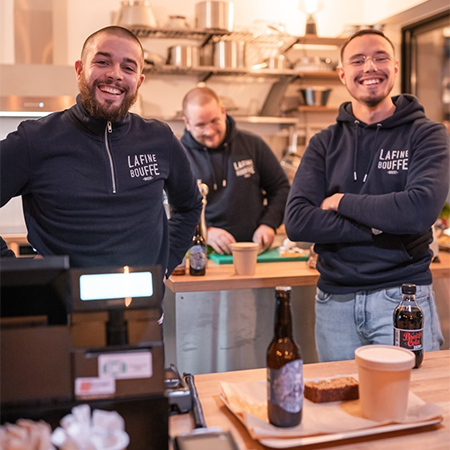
104 111
372 102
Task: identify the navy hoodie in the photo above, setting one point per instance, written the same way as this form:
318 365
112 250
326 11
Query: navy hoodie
237 173
395 177
93 190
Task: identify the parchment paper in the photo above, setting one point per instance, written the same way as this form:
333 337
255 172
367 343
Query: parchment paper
248 401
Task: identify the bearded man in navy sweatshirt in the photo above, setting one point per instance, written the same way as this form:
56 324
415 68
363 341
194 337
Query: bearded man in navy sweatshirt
92 177
367 193
248 188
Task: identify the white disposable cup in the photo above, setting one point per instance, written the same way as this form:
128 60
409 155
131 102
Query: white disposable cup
384 374
244 257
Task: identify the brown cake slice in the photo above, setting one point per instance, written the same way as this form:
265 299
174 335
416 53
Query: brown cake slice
332 390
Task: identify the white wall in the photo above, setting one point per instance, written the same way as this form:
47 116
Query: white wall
374 12
85 16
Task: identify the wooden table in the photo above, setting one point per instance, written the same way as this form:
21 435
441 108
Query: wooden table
431 383
268 275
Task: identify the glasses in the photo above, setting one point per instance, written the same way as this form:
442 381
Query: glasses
379 60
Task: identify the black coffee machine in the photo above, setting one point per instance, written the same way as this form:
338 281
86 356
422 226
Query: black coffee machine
74 336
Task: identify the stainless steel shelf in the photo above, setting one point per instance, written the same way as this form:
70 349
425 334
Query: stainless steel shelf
308 39
284 41
172 33
247 119
212 70
207 71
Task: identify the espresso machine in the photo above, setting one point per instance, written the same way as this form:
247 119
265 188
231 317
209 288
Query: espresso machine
75 336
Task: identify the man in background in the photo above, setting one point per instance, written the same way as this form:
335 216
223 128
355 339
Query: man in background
367 192
247 186
92 177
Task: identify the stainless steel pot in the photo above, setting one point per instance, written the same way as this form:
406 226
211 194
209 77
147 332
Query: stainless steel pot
215 15
278 62
229 54
136 13
183 56
314 95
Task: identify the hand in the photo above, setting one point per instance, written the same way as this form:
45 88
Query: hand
220 240
263 236
332 203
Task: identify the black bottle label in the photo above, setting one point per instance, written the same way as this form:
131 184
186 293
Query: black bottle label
409 339
285 387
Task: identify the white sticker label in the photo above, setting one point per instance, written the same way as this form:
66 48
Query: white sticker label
125 365
94 386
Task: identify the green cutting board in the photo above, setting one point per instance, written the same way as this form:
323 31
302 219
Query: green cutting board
272 255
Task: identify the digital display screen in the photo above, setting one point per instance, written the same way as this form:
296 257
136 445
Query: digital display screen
116 285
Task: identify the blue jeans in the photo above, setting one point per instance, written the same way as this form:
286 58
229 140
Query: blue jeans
345 322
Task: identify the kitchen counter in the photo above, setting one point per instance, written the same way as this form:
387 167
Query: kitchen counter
289 273
431 383
222 322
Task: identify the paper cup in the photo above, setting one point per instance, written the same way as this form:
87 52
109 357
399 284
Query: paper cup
244 257
384 373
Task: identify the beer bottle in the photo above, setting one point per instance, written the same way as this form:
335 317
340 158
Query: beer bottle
408 323
284 367
197 254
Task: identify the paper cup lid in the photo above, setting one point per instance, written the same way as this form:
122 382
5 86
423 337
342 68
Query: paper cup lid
385 357
244 246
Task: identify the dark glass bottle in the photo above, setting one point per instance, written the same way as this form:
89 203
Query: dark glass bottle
284 367
408 323
197 254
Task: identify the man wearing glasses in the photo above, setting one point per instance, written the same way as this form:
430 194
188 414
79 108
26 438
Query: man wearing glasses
247 186
367 192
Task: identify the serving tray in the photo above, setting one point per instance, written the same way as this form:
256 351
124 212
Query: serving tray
326 422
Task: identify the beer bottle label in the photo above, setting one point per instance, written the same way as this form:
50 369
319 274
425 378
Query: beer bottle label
285 387
197 257
410 339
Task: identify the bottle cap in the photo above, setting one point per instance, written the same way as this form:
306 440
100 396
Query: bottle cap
283 289
408 289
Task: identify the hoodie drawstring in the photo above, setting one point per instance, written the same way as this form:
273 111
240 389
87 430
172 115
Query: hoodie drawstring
355 151
372 153
211 168
225 164
224 167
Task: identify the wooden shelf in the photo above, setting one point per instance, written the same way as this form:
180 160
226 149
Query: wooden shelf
317 109
309 39
319 75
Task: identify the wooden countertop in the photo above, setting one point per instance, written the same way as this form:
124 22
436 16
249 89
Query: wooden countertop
431 383
268 275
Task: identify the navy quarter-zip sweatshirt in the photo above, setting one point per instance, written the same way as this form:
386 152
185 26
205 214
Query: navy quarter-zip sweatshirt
247 186
93 190
395 178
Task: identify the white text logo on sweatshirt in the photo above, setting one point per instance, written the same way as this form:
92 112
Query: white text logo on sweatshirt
393 160
143 166
244 168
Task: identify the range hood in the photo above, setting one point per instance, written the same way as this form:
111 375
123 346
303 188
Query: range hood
36 82
36 88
